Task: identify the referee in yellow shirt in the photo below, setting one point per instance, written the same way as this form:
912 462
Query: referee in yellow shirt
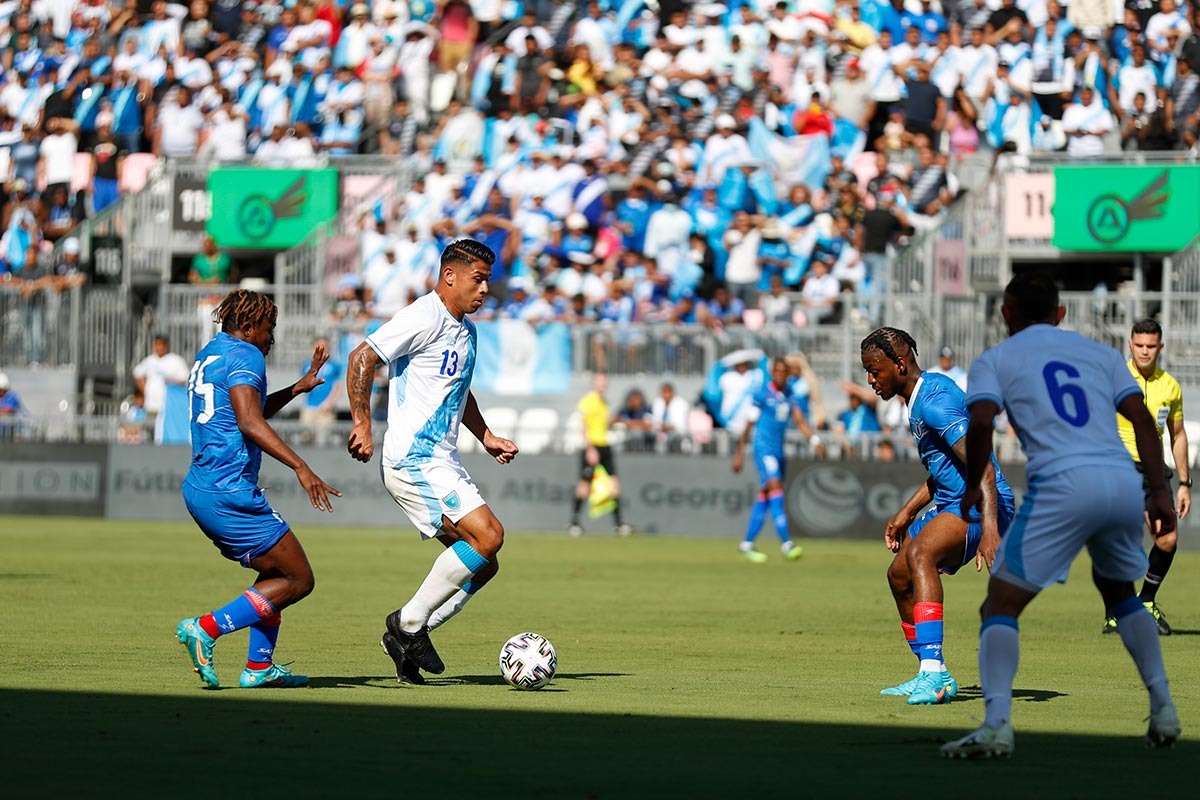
1164 399
593 408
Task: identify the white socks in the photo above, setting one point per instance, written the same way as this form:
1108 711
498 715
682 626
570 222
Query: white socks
449 608
999 652
447 576
1140 636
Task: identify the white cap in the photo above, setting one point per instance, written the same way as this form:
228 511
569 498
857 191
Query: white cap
4 384
576 221
518 284
71 246
726 121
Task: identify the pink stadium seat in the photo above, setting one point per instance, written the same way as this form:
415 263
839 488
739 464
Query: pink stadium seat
754 318
700 426
136 171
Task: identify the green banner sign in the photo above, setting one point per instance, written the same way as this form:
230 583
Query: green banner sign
1126 209
269 209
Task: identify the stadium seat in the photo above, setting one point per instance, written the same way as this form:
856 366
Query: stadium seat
573 433
700 426
1192 428
136 171
502 421
537 429
754 318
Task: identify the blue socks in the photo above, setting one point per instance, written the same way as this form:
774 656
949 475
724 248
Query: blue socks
263 635
779 516
247 609
758 514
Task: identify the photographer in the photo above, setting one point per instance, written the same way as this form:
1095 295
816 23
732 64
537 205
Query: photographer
1147 128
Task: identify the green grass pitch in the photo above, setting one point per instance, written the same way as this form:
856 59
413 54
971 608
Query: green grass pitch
683 672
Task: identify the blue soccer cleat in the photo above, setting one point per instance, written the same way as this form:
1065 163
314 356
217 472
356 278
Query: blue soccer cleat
905 689
931 689
200 647
275 676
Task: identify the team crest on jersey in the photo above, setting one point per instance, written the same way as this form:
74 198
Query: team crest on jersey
450 501
918 429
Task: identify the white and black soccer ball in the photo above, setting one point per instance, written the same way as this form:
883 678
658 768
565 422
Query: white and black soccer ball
528 661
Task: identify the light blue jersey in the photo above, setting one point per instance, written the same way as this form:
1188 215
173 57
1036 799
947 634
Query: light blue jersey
937 418
1059 389
223 460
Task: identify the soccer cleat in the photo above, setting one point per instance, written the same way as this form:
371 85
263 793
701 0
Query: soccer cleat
1164 728
406 671
575 531
984 742
1110 625
931 689
1163 628
753 556
416 647
625 529
275 676
905 689
200 647
793 553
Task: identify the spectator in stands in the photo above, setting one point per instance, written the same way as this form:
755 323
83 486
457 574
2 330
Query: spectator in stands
1085 123
210 265
10 409
669 416
856 423
61 213
56 156
107 165
156 371
636 420
947 367
317 412
178 124
820 293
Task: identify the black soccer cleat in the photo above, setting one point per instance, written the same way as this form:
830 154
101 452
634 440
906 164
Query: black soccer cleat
406 671
416 647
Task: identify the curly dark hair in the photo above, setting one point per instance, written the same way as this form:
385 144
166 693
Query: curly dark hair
892 342
244 307
1033 294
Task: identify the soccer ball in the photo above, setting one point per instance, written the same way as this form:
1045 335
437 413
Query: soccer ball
528 661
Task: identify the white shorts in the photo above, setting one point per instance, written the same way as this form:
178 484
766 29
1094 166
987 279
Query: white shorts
429 491
1101 509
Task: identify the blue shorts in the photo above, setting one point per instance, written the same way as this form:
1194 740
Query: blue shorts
1004 517
770 467
241 524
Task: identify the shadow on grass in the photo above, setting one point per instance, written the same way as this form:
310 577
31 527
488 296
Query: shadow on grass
89 744
327 682
1019 695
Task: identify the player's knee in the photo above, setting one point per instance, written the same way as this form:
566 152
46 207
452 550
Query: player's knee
302 585
1167 542
490 538
898 578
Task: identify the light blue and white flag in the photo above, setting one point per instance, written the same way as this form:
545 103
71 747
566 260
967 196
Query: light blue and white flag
515 358
797 159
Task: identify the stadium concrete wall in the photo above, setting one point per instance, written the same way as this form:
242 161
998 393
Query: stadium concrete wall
669 494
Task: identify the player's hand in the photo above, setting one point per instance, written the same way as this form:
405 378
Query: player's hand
592 455
819 450
309 380
893 532
361 444
989 543
1183 501
317 489
737 462
503 450
1159 513
971 499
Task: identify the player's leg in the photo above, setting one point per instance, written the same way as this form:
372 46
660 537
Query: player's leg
940 545
776 507
459 599
582 489
758 515
285 577
609 462
900 582
1160 558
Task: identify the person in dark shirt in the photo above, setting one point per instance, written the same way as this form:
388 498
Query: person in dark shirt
925 108
107 159
880 226
1000 19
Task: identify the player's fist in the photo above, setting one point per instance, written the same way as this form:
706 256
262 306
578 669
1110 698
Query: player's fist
737 462
360 444
503 450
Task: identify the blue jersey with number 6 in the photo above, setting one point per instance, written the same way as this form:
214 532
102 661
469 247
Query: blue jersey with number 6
223 460
1059 389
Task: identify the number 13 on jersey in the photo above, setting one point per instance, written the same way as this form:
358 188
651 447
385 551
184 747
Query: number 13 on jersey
449 363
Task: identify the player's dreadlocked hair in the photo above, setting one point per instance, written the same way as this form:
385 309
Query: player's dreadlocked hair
892 342
464 251
244 307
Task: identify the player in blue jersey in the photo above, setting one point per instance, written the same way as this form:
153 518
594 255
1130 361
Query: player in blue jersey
938 540
227 392
773 407
430 349
1059 390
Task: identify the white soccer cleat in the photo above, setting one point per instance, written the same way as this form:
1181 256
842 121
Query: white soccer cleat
984 742
1164 728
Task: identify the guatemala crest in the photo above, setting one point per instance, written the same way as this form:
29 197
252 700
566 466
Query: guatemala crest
450 501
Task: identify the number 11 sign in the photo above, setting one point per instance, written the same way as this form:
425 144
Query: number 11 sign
1028 206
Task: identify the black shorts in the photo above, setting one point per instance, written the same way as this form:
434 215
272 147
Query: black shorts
606 460
1146 481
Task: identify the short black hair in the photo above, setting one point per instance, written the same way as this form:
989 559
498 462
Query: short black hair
892 342
1033 294
464 251
162 337
1147 326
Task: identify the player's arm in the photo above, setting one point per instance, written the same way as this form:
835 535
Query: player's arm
978 452
308 381
500 449
1179 449
739 452
988 509
897 526
1149 446
247 409
360 377
807 431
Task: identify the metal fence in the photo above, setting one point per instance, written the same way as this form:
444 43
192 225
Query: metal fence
38 328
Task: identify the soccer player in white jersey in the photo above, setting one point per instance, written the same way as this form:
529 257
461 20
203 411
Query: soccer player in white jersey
429 348
1060 389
